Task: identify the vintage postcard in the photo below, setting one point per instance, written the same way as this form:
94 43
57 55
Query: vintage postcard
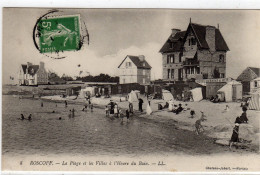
154 90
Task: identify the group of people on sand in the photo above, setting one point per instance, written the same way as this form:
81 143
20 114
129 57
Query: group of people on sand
23 118
176 108
113 110
88 105
215 99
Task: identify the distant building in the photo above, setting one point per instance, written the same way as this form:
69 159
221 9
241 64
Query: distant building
197 53
255 85
249 74
134 69
30 74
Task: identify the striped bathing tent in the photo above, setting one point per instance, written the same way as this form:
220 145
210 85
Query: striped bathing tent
254 102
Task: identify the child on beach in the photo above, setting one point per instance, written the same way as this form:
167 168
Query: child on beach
234 137
107 111
91 107
22 117
198 125
30 117
192 113
73 112
226 109
70 114
127 115
131 108
116 110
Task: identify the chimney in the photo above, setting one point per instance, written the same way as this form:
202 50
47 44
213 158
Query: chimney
210 38
29 64
41 65
141 58
27 68
174 31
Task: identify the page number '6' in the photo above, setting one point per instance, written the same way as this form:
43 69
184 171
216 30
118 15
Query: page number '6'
46 24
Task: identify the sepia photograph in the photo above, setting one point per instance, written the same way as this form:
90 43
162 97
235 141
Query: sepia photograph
162 90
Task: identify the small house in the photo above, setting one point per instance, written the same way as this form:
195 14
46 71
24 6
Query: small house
134 69
249 74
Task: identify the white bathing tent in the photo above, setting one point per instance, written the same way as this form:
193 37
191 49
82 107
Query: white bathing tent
254 101
133 96
88 91
197 94
232 91
167 95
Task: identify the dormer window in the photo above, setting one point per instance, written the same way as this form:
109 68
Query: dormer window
221 58
193 41
143 64
32 71
128 64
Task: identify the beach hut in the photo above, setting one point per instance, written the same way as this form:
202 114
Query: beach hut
167 95
232 91
197 94
254 101
88 91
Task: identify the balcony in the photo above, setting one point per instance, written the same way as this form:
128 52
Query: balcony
190 62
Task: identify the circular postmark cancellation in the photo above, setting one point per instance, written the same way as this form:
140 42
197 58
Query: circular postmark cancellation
54 34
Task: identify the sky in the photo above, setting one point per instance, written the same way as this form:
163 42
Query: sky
115 33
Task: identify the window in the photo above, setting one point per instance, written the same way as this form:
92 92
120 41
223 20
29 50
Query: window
193 41
221 75
129 64
180 55
170 58
172 74
191 70
144 72
221 58
169 71
255 83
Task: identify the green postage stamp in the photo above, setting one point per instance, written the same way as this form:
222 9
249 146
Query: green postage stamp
58 34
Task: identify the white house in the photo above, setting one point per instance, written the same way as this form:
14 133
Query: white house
30 74
134 69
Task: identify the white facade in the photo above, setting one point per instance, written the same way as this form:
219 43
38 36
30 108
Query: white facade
128 72
255 85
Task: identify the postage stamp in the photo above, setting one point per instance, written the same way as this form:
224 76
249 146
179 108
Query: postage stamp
58 34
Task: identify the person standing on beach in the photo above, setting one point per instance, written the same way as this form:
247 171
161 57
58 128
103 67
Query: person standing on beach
73 112
243 117
116 110
41 104
234 137
131 108
127 115
107 111
22 117
70 114
140 104
66 104
30 117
